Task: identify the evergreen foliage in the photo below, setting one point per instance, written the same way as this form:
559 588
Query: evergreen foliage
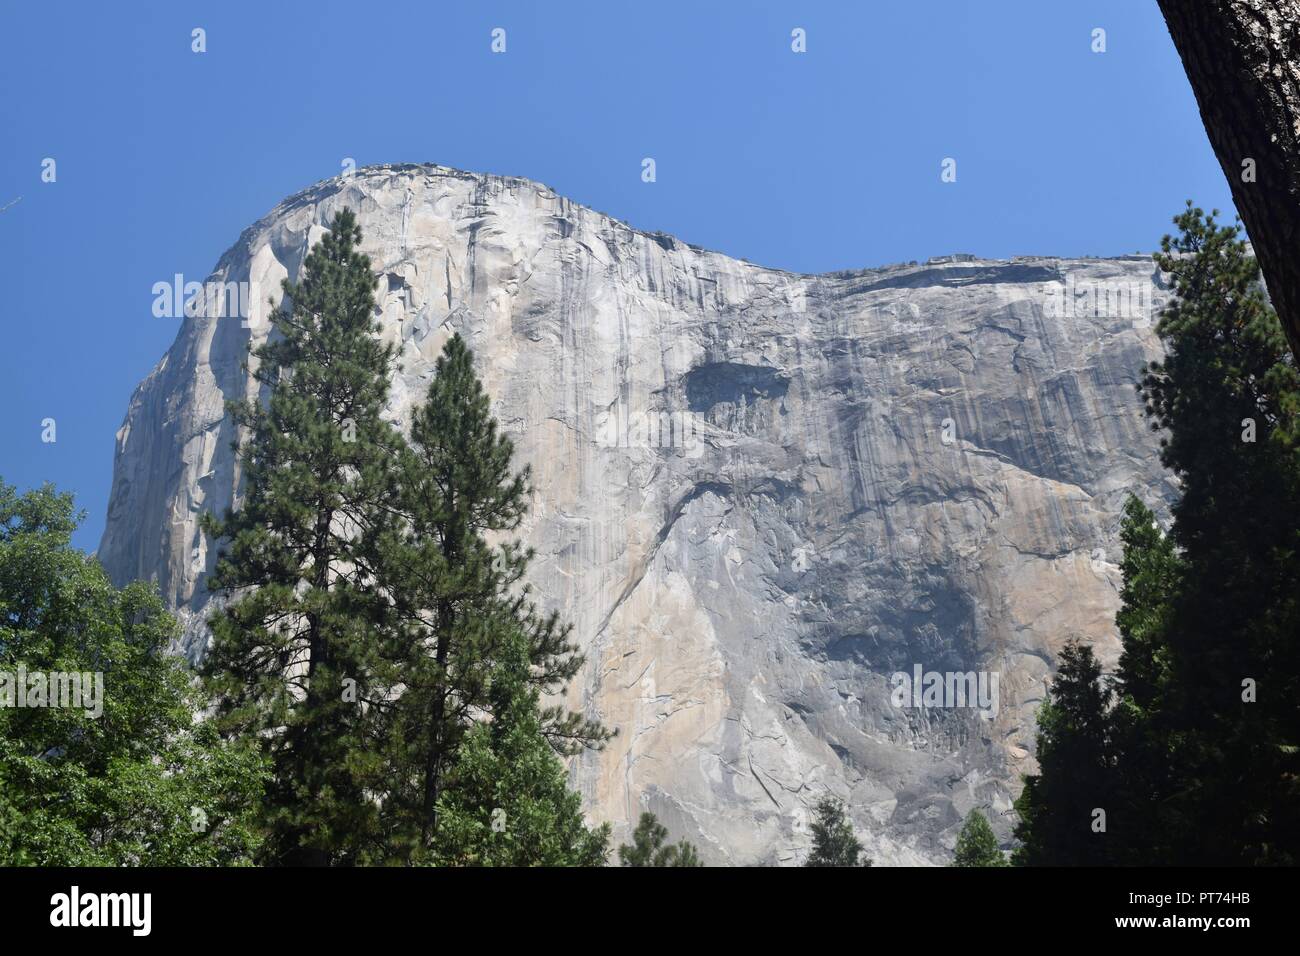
506 802
465 614
834 843
976 844
1194 748
648 847
378 637
297 658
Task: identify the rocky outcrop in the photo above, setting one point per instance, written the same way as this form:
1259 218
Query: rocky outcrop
759 494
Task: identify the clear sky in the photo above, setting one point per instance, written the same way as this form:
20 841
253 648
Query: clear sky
824 160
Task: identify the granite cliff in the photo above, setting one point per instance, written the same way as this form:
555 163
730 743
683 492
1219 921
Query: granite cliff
759 495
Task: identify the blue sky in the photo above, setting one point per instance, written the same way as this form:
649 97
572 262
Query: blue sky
812 162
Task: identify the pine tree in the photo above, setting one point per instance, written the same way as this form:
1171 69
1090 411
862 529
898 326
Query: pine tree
506 801
1058 808
1152 571
461 602
1223 730
976 844
648 847
299 652
128 777
1200 755
834 843
1144 827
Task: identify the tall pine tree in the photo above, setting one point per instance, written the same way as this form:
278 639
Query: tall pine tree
1201 750
1145 826
1227 396
298 655
456 581
1207 722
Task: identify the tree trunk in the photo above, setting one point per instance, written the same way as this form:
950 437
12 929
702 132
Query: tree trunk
1243 60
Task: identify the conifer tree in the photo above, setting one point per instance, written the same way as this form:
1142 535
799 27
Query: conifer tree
648 847
298 653
506 800
461 603
1203 764
976 844
1143 823
1207 769
834 843
1151 570
1227 397
1060 823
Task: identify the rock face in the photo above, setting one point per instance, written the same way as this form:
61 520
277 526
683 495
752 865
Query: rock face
759 495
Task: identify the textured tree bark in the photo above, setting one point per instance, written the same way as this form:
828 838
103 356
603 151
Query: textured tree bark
1243 60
